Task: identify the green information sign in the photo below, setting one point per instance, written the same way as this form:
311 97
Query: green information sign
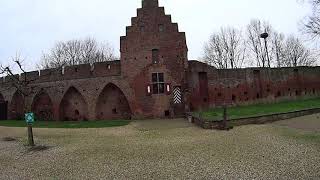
29 118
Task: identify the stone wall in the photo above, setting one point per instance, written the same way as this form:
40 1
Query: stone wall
219 125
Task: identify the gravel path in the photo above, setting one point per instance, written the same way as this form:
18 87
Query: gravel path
308 123
152 150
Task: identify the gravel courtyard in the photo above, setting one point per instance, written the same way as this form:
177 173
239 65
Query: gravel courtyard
166 149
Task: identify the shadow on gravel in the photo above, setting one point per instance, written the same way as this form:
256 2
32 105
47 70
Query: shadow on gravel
38 148
8 139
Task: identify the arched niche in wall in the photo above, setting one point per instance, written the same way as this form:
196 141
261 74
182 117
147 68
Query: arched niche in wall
1 98
16 107
112 104
42 107
3 108
73 106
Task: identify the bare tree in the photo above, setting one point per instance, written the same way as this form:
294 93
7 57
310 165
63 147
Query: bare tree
76 52
311 24
20 83
225 49
255 44
296 54
278 48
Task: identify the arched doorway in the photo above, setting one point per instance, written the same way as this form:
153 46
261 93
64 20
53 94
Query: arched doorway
42 107
16 109
112 104
73 106
3 108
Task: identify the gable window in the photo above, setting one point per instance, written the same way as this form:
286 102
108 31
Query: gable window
161 28
158 85
141 28
155 56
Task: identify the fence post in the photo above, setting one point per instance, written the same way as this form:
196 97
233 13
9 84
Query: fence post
225 117
30 135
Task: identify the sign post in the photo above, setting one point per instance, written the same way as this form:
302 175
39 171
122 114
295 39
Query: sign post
29 117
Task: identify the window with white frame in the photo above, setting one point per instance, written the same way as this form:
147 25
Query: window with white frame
158 85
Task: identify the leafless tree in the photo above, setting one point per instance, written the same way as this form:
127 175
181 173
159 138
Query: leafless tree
278 48
311 25
225 49
19 82
255 43
22 86
76 52
296 54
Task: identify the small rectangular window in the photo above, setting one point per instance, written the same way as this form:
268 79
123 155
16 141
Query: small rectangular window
155 56
161 88
155 88
158 85
154 77
141 28
161 78
161 28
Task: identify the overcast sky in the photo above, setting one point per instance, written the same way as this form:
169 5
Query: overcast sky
33 26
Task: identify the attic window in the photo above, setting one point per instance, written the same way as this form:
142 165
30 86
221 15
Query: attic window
161 27
76 69
155 56
108 66
142 29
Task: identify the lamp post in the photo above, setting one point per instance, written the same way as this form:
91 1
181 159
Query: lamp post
265 36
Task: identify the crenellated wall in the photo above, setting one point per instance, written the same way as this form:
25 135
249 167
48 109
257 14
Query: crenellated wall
105 93
212 87
153 79
83 71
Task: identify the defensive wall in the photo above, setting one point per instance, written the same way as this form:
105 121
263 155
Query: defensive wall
153 78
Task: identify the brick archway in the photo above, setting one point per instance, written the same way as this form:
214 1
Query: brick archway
112 104
1 98
16 107
42 106
73 106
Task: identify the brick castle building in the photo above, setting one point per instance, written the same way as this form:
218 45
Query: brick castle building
154 78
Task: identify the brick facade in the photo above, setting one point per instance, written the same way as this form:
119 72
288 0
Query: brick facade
152 79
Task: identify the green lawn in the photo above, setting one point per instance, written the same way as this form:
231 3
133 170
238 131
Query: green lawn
259 109
66 124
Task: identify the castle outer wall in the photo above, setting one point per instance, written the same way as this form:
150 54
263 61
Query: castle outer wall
152 79
210 87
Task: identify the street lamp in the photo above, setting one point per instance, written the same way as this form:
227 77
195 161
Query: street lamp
265 36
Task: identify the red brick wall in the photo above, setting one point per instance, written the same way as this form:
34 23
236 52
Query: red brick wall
95 91
16 106
112 104
153 29
42 106
252 85
73 106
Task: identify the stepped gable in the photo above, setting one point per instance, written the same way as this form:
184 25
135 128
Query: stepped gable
152 36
